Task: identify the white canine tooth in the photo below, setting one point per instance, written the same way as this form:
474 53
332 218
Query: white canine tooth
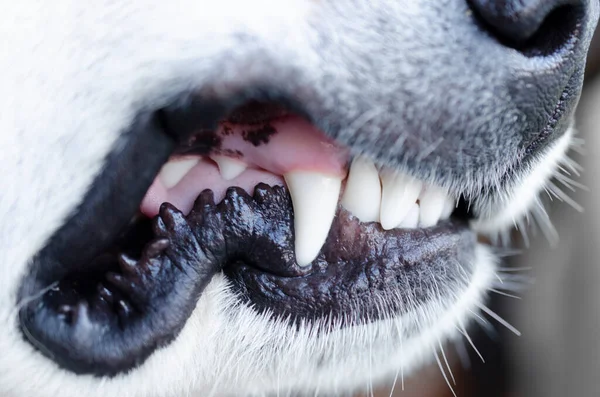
412 218
362 195
432 201
449 207
230 168
399 192
174 171
315 197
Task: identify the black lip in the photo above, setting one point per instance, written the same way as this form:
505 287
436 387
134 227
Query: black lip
113 326
363 273
137 307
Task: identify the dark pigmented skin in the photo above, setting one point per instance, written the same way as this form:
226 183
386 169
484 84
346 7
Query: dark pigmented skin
201 142
140 305
359 266
205 142
259 135
256 112
255 116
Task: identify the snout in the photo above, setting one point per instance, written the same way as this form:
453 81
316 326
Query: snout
463 90
458 97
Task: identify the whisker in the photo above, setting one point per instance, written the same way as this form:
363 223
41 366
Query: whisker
402 365
514 269
394 384
444 373
571 183
545 224
504 294
446 361
506 252
479 318
577 146
499 278
522 228
28 299
463 354
498 318
464 332
561 195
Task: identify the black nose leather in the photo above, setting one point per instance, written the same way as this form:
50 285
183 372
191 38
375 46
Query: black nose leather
518 21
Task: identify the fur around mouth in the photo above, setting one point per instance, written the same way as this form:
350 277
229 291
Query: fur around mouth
302 230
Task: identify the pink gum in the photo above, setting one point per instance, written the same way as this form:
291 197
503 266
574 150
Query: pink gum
294 145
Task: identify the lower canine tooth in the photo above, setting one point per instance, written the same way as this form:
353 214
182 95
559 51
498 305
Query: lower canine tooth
315 198
173 171
230 168
362 195
399 192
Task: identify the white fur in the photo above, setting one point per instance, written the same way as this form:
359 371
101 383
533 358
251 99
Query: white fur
521 196
64 67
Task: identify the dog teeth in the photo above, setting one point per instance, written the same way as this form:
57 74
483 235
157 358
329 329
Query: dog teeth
314 197
362 195
174 171
433 200
399 192
411 220
394 199
449 206
230 168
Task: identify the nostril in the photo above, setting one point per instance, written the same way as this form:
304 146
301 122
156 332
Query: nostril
533 27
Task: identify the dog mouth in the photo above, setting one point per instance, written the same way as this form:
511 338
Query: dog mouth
301 227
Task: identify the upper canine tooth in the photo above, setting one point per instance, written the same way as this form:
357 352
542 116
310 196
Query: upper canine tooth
315 198
432 201
399 192
174 170
229 167
362 195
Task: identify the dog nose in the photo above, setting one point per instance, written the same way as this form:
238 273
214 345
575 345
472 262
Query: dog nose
537 26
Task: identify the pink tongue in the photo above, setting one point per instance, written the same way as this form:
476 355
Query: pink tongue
270 150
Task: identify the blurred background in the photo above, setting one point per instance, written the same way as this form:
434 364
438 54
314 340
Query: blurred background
558 313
